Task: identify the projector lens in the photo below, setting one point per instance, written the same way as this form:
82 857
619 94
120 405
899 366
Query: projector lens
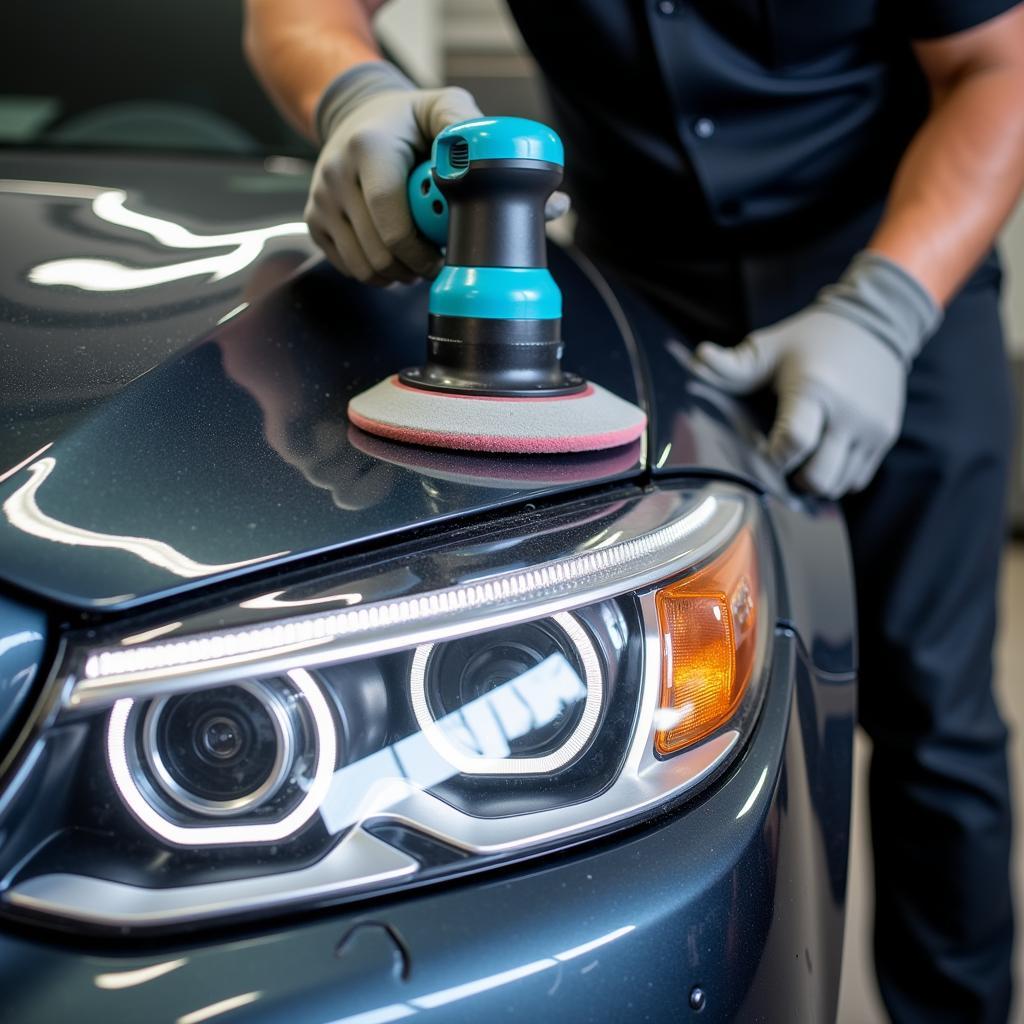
220 751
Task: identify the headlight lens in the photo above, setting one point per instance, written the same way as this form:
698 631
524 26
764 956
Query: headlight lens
526 699
260 753
498 695
214 752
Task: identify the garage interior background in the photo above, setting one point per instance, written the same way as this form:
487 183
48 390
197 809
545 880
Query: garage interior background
474 43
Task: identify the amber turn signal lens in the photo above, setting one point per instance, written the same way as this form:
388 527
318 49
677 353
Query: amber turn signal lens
709 637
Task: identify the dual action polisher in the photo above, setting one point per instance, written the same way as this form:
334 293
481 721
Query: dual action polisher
493 380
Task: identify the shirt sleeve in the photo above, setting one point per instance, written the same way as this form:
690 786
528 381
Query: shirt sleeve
932 19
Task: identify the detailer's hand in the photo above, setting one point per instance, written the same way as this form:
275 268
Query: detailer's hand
839 368
375 126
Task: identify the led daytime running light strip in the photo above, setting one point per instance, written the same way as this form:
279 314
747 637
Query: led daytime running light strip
560 576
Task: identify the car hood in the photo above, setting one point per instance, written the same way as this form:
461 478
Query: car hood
174 422
112 263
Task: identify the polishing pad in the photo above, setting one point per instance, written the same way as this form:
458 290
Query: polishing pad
590 420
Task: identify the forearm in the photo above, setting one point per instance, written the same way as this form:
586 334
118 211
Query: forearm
961 176
296 47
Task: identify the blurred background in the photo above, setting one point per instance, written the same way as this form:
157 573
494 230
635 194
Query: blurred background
65 83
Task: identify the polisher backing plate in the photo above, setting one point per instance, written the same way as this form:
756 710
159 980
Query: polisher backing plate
588 421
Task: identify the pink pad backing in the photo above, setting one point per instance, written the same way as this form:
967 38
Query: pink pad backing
591 420
492 469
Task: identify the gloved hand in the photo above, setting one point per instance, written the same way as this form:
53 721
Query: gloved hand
375 125
839 368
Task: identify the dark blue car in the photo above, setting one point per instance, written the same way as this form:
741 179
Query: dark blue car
297 724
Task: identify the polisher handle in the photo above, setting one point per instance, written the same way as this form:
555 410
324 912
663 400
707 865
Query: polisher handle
497 174
495 149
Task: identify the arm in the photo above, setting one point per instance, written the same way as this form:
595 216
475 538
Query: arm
964 170
298 47
318 61
839 367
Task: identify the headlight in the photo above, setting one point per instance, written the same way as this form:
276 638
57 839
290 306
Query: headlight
501 693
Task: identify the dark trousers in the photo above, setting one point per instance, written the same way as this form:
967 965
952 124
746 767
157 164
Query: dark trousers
927 537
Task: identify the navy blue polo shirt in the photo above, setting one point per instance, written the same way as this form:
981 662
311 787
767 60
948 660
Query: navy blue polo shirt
697 123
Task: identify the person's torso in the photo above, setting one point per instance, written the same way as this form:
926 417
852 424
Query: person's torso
712 124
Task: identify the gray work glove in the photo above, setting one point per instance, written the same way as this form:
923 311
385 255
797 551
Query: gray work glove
839 368
375 126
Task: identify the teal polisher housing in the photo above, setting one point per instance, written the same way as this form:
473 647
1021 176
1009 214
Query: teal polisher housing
495 310
493 378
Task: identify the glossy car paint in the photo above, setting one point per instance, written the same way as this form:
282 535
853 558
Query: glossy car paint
233 448
65 349
139 500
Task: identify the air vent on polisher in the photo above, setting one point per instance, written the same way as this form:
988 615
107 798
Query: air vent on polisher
458 155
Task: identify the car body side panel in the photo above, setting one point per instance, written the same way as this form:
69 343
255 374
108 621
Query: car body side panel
693 424
740 893
819 600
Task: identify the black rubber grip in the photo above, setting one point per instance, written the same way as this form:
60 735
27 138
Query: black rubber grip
496 213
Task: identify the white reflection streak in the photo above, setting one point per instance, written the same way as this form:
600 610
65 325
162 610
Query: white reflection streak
666 719
589 947
382 1015
96 275
100 275
116 980
26 636
399 1011
758 786
366 788
109 206
472 988
151 634
274 600
233 312
24 462
23 512
216 1009
59 189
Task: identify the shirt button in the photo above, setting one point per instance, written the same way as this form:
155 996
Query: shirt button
703 127
667 7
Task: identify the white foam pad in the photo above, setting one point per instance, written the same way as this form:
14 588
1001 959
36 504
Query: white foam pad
591 420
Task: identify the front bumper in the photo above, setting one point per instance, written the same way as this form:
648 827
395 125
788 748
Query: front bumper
740 894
